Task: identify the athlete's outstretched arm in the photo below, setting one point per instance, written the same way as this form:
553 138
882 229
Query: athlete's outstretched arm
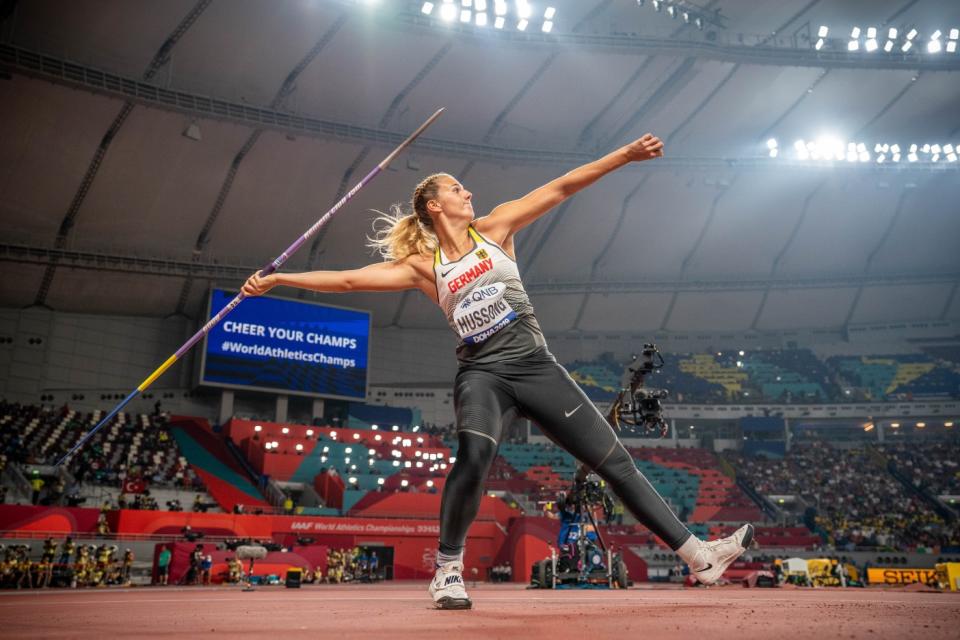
510 217
395 275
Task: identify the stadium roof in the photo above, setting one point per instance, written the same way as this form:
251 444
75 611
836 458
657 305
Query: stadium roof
148 149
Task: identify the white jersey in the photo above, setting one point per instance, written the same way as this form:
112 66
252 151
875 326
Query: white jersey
481 295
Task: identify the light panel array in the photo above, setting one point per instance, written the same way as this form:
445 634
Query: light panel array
688 12
889 40
835 150
499 14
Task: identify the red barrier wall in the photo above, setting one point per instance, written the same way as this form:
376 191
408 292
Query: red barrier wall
276 563
427 504
414 541
64 520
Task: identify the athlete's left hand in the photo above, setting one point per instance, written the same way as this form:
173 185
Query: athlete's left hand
645 148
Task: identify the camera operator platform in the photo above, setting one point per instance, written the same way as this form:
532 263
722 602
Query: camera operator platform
584 560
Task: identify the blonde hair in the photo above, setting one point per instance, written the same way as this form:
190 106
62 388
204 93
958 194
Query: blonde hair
398 234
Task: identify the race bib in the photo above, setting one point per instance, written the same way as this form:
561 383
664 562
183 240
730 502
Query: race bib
483 312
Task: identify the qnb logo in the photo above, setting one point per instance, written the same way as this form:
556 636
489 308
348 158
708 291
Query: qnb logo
453 579
482 293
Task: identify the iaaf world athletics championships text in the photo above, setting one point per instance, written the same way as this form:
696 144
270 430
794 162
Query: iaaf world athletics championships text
286 354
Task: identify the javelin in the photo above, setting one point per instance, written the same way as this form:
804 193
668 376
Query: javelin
267 270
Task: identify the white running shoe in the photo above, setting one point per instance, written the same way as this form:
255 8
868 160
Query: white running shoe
715 556
447 589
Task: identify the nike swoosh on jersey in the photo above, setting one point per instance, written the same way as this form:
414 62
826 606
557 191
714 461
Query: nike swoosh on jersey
570 413
445 274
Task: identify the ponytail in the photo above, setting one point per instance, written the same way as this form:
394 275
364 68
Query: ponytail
398 235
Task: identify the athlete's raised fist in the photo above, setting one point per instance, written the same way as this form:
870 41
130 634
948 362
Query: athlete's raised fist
645 148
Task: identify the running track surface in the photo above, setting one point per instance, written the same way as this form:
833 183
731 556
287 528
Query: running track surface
402 611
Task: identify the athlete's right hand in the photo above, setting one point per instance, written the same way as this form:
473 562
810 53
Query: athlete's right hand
257 285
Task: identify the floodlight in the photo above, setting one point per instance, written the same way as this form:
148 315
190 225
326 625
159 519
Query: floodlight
896 157
892 33
466 15
656 5
853 45
547 26
299 447
954 34
427 8
686 17
925 148
380 480
870 45
500 7
912 34
934 46
522 25
912 157
258 428
498 22
935 148
951 157
549 13
895 148
404 483
448 12
881 158
906 46
466 3
285 430
855 33
888 47
819 44
952 46
864 156
481 19
948 148
480 5
523 9
823 31
772 143
936 35
872 32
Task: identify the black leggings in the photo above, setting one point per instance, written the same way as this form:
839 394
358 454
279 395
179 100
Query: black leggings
540 389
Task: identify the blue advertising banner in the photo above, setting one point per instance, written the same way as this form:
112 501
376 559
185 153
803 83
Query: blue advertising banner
273 344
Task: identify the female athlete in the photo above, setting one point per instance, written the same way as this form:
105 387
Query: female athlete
467 266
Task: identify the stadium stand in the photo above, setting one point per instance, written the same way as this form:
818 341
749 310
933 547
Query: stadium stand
131 455
786 376
851 499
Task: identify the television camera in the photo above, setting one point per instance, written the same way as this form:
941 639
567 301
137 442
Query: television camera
637 405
